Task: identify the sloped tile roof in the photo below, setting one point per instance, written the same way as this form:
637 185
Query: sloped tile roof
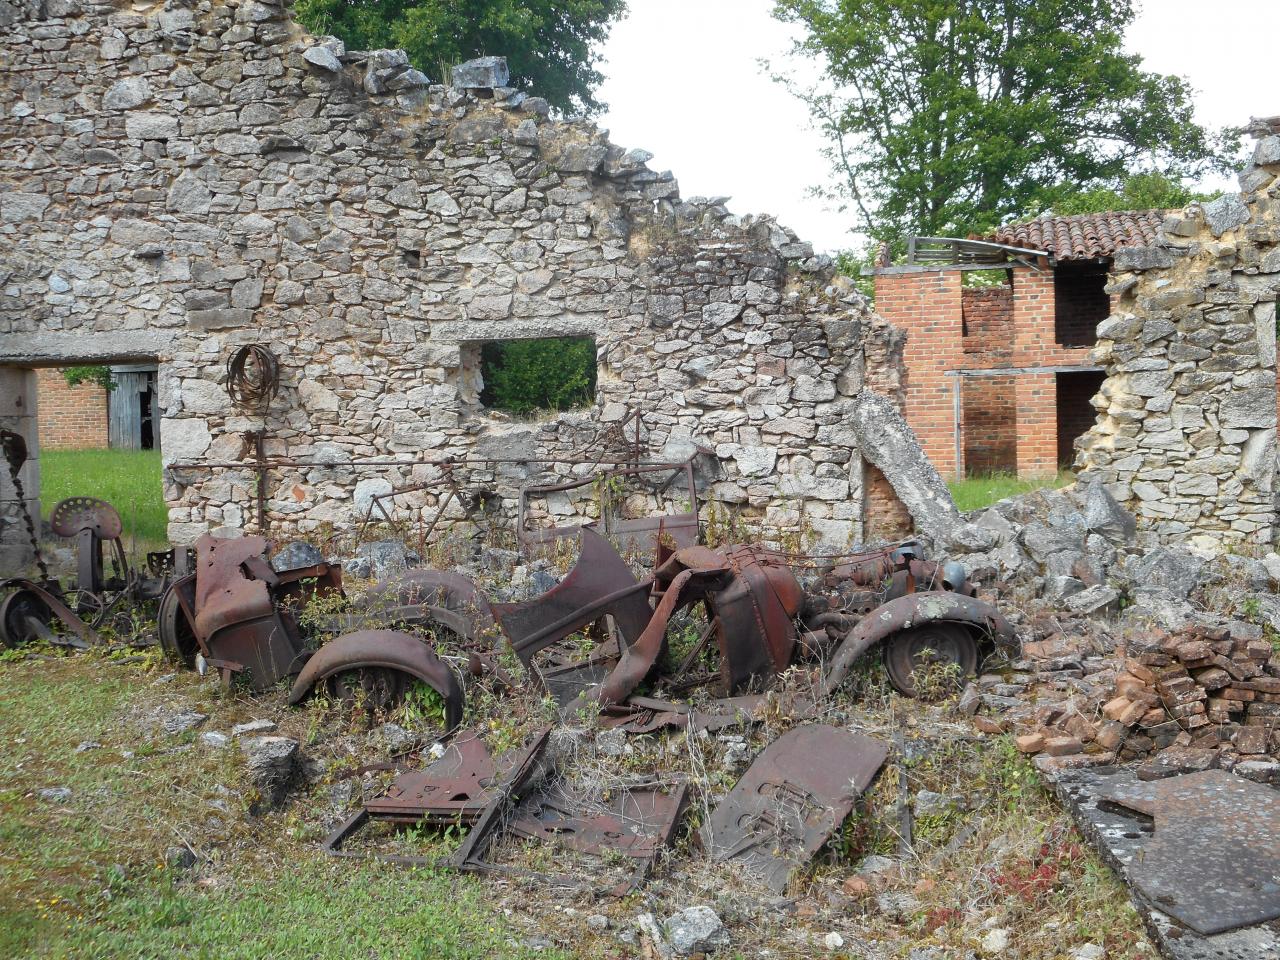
1085 235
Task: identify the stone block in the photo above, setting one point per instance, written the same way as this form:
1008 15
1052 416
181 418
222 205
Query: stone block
482 73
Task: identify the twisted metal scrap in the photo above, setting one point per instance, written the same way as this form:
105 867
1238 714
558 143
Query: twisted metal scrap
15 454
253 376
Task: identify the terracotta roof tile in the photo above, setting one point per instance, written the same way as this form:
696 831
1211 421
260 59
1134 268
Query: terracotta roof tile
1086 235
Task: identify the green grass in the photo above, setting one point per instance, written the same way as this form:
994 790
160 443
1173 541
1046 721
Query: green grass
129 480
981 490
86 878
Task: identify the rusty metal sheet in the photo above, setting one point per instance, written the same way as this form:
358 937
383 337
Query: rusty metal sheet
453 789
637 822
600 583
756 614
1213 862
791 800
640 534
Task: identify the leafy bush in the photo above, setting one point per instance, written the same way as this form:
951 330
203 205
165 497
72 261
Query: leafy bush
524 376
99 375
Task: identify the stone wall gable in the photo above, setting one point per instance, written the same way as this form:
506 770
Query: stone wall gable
1186 425
185 180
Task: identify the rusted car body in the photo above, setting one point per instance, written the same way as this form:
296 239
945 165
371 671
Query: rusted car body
241 616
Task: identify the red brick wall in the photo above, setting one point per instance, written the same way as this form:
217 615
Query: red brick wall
886 516
927 307
990 416
1009 422
1036 344
70 418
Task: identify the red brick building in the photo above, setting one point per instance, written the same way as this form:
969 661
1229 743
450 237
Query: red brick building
71 418
998 375
87 416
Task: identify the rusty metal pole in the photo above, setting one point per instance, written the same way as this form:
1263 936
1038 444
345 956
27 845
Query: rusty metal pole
262 470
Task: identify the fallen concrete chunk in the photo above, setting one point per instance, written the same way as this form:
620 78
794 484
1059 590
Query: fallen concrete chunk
696 930
888 442
272 763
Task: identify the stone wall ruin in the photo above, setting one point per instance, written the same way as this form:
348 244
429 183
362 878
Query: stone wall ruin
183 179
1186 430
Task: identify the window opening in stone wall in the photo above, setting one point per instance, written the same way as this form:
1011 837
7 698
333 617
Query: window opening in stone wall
530 376
98 435
1076 415
1080 302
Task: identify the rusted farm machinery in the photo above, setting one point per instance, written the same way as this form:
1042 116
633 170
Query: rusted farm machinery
105 591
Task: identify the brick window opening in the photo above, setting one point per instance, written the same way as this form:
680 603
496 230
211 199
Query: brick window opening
532 376
1080 302
1075 413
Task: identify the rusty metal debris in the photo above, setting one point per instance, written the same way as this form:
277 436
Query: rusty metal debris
241 616
757 611
95 599
638 821
639 534
466 786
791 800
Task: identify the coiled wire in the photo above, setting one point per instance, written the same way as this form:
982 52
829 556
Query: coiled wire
253 376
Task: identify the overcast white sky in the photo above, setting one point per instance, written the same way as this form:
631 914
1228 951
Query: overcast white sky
682 81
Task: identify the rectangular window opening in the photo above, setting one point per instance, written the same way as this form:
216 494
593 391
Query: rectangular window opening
1080 302
544 375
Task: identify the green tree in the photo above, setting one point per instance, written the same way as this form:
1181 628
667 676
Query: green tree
551 46
525 376
1142 191
947 117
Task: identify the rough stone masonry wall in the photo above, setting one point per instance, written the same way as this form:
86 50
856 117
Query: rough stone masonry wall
179 180
1186 431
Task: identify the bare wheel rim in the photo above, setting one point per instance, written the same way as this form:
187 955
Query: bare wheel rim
177 639
14 611
932 643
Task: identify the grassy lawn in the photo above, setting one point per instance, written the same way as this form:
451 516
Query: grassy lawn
981 490
129 480
86 878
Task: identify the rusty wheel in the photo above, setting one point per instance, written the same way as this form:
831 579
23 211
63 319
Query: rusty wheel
926 648
379 689
24 617
177 639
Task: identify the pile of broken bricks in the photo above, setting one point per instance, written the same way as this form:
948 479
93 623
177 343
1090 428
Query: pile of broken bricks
1201 698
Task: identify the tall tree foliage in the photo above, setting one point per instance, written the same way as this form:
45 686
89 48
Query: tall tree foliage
551 46
951 116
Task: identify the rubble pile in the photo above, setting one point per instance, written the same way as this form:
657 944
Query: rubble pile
1200 698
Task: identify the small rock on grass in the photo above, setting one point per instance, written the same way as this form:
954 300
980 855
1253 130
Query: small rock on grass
396 738
273 764
214 739
996 941
695 930
253 727
179 858
833 941
88 745
598 922
56 794
184 721
1088 951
